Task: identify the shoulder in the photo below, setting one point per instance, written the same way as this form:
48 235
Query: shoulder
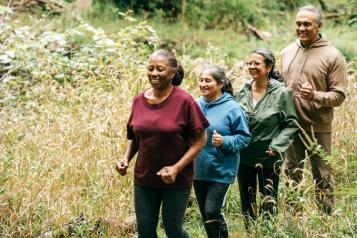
290 47
329 56
334 54
245 87
232 104
231 108
180 93
183 98
138 97
281 88
200 101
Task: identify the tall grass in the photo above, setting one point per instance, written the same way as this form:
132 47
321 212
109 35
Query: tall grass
60 135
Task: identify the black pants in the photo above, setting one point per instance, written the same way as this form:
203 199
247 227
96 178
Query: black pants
211 197
268 179
147 209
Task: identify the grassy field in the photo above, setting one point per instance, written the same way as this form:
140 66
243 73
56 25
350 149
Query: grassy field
65 95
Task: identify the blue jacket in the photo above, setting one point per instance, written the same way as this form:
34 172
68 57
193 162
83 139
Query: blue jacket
220 164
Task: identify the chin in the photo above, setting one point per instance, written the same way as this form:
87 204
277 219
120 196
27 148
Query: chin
304 41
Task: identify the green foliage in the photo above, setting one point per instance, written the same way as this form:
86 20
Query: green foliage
29 56
235 13
228 13
166 8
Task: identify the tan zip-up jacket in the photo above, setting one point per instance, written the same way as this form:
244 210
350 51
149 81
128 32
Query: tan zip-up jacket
324 67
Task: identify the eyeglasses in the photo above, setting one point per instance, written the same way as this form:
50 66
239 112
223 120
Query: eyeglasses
253 63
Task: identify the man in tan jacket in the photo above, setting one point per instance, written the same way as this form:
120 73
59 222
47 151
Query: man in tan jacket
316 73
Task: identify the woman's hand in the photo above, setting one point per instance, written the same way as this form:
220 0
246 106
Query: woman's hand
122 166
168 174
217 139
271 153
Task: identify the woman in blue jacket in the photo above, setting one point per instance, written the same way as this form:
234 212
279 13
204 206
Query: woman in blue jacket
217 164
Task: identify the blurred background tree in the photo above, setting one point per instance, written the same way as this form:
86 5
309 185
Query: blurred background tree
212 14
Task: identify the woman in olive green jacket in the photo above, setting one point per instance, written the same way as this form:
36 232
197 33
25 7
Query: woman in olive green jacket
272 122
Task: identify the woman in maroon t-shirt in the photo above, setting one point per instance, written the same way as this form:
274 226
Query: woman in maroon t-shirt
167 129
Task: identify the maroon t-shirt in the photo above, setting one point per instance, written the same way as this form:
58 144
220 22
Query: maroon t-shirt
164 132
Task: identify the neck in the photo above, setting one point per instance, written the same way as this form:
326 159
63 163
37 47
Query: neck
159 93
313 42
215 97
261 84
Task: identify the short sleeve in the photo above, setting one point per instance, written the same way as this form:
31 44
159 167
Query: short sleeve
129 128
196 119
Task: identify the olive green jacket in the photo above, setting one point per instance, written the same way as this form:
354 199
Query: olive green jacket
272 123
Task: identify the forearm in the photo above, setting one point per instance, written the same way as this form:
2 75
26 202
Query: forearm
329 99
284 140
234 143
199 142
285 137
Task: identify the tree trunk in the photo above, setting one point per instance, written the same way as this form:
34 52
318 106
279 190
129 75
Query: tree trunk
183 8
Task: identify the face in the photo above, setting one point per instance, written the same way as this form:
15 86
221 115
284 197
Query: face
307 28
160 72
257 68
209 87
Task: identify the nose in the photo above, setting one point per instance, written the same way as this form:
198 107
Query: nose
252 66
301 28
154 72
201 83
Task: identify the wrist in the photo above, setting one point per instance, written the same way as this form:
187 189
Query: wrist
125 160
177 167
313 95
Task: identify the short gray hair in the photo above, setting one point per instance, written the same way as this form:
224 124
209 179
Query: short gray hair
311 8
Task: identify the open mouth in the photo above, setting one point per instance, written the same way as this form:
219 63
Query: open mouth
155 81
204 90
253 72
302 35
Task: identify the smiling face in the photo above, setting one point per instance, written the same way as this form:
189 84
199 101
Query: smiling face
209 87
159 72
307 28
257 68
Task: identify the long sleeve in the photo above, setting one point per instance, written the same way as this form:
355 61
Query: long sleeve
288 125
337 82
240 137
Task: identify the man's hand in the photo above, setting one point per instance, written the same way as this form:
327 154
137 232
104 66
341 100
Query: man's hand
307 91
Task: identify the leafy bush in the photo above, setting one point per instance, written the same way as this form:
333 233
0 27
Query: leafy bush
28 56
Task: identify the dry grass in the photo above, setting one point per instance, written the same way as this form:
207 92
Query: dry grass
59 142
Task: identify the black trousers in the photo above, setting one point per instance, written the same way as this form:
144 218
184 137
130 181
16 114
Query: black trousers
268 180
211 197
173 205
